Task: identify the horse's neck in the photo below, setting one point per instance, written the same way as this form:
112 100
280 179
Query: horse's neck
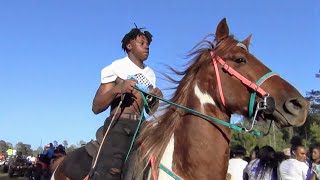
201 150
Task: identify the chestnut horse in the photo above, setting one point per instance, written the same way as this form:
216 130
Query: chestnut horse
184 141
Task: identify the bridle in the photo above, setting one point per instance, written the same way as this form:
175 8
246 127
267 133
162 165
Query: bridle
267 105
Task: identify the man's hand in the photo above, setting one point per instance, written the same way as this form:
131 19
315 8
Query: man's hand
127 86
156 91
154 102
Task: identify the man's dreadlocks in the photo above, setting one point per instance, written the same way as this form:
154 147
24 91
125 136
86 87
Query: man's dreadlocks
133 34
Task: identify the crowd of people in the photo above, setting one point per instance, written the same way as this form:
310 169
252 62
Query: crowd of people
267 164
35 166
41 165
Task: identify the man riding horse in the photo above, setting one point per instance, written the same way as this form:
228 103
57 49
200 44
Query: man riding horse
119 92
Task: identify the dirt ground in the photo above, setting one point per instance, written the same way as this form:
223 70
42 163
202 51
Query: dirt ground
6 177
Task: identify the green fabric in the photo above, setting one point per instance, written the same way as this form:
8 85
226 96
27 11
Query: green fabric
138 127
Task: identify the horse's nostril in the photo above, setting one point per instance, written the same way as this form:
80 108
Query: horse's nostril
294 106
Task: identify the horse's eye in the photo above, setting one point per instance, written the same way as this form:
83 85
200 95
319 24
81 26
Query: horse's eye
240 60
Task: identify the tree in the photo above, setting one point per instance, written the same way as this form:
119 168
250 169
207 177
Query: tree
3 146
311 127
247 140
39 150
20 147
315 133
71 148
65 143
82 143
314 97
55 143
272 136
25 149
9 145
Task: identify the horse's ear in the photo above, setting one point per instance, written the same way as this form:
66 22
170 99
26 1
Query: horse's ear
222 31
247 41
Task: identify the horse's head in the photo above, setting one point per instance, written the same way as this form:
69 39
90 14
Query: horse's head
240 72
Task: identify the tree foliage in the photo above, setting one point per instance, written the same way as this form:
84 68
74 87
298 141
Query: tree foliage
315 133
26 149
3 146
65 143
314 97
271 135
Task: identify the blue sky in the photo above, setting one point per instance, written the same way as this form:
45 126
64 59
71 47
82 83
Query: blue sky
52 52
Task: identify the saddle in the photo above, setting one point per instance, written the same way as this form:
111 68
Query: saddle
93 146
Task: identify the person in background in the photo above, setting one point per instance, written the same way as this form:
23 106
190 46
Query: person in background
50 151
264 166
236 163
296 167
59 151
254 153
31 159
2 156
314 162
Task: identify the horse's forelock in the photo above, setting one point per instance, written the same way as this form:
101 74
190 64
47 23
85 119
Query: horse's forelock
225 45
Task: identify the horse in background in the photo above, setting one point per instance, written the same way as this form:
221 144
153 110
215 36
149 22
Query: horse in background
218 82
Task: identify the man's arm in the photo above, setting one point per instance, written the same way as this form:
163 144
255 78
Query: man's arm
106 93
